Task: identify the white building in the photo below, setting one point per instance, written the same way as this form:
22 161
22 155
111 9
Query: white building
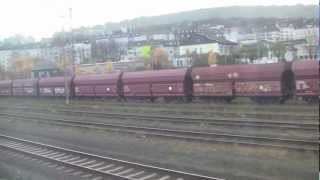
138 38
82 53
162 37
290 33
200 44
5 56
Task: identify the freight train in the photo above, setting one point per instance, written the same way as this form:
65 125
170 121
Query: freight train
260 82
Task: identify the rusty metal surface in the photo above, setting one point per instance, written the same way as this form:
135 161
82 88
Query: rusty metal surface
101 79
258 88
5 84
24 87
54 82
158 76
155 83
307 77
306 69
5 88
54 86
213 89
246 72
243 80
97 85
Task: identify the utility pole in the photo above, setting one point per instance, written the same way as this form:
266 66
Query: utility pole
71 40
67 56
64 58
70 58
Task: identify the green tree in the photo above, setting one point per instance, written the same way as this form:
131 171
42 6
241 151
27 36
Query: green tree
2 73
279 50
200 60
262 50
227 59
249 52
311 45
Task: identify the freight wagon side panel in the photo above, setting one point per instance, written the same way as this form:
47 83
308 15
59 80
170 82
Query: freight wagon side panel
306 77
156 83
106 90
168 89
18 91
5 88
25 87
213 89
258 88
307 87
46 91
60 91
102 85
137 90
213 81
84 90
54 86
5 91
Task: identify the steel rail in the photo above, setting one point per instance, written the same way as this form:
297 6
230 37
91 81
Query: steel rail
187 120
95 166
219 113
292 144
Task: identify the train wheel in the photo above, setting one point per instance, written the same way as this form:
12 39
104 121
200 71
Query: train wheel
228 99
311 100
188 99
167 100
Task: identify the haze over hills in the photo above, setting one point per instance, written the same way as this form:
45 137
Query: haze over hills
309 11
220 15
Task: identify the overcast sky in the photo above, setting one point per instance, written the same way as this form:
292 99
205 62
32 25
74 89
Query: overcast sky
40 18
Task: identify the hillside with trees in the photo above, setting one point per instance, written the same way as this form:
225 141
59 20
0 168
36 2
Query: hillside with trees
225 12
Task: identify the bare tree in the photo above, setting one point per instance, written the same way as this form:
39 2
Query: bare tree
159 59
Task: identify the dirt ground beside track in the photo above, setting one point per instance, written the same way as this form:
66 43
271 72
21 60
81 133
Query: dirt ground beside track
232 162
18 168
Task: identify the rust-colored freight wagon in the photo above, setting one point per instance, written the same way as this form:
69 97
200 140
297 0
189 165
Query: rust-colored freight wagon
5 88
306 79
25 87
261 80
103 85
215 82
159 83
54 86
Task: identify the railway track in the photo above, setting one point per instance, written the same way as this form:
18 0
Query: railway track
209 112
253 123
92 166
208 137
185 120
195 105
